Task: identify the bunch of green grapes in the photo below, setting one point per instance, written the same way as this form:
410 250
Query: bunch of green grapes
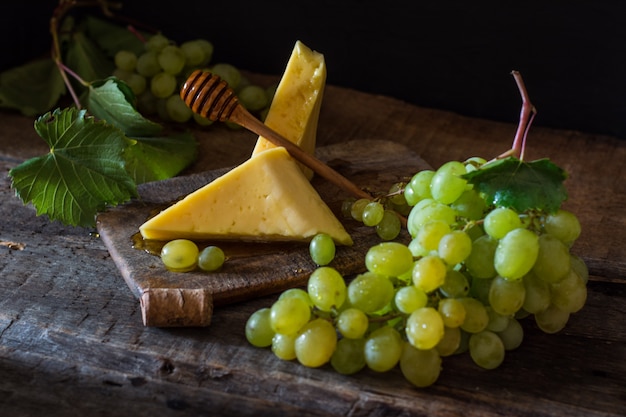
156 75
462 283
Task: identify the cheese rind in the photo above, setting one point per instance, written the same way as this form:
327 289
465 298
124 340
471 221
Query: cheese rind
295 108
266 198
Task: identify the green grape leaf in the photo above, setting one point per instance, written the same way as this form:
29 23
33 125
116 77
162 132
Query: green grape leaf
111 37
111 100
521 185
33 88
83 172
86 59
159 158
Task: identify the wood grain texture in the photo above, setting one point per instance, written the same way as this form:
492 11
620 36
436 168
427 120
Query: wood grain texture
72 340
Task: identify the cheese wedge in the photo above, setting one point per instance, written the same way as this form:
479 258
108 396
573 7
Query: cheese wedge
266 198
295 108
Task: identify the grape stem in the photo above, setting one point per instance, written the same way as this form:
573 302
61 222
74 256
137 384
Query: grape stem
527 115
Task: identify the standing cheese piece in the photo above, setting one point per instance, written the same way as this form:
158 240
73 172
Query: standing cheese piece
295 108
266 198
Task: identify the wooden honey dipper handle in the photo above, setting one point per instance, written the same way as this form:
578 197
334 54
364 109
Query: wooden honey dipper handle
209 96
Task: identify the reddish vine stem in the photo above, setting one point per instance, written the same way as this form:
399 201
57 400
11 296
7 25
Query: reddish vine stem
527 115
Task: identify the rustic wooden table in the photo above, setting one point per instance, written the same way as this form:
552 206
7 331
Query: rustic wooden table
72 341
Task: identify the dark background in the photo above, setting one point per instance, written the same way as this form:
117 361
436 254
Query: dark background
448 54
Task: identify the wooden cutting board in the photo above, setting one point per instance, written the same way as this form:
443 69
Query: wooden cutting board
252 269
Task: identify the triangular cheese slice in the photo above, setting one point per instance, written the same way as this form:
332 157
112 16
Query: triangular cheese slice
266 198
295 108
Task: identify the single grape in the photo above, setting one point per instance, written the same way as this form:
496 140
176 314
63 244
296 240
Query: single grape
480 262
125 60
148 64
253 98
513 335
284 346
228 73
298 293
552 319
516 253
470 205
564 225
506 296
452 312
288 315
370 292
389 258
395 194
208 48
476 316
501 221
389 227
258 330
424 328
431 233
177 110
349 356
211 258
454 247
356 210
570 293
429 273
171 59
537 293
486 349
497 322
163 85
553 260
383 348
418 188
450 342
421 367
201 120
455 284
373 213
326 288
180 255
479 289
156 42
447 185
427 211
316 343
352 323
410 298
579 266
195 53
322 249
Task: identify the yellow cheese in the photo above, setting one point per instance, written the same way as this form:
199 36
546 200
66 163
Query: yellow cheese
295 108
266 198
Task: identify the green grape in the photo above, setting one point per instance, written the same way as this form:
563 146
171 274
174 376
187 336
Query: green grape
476 316
455 284
389 258
452 312
171 59
418 250
395 194
455 247
201 120
486 349
474 162
450 342
258 330
180 255
322 249
284 346
211 258
352 323
506 296
383 348
148 64
315 343
447 185
326 288
125 60
564 225
420 367
501 221
136 82
177 110
570 293
288 315
513 335
553 259
480 262
253 98
427 211
163 85
579 266
156 42
195 53
552 319
479 289
208 48
373 213
431 233
356 210
297 293
370 292
429 273
228 73
470 205
516 253
418 188
349 356
537 293
424 328
390 226
497 322
410 298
